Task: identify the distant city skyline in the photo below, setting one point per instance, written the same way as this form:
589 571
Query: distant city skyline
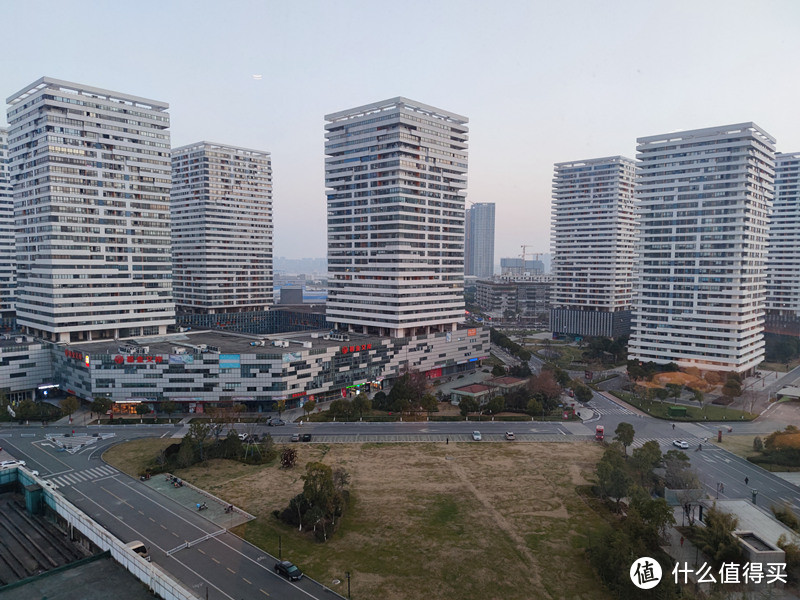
541 82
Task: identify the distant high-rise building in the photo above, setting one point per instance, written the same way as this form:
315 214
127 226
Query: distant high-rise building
90 169
7 251
783 257
396 173
221 228
517 267
593 235
703 202
479 240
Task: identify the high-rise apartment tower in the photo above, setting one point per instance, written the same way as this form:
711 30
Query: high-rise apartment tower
783 257
90 170
396 173
703 202
593 234
221 228
479 240
7 252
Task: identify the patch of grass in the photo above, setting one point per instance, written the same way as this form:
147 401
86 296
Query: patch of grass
135 456
708 412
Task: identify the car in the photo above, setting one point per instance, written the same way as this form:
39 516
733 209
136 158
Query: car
476 435
306 437
680 444
295 437
288 570
276 422
510 436
12 463
242 436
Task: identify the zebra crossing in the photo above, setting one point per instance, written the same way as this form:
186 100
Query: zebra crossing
608 410
75 477
666 443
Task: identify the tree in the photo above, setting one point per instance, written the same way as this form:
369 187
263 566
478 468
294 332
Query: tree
169 407
280 406
758 444
624 435
495 405
534 407
498 370
101 405
468 405
716 539
196 438
523 369
583 392
69 405
732 389
318 488
309 406
142 409
645 459
612 475
362 404
430 403
341 408
288 458
655 514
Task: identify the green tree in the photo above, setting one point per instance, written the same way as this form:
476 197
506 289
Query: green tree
309 406
624 435
142 410
716 539
69 405
318 487
341 408
196 438
758 444
732 389
169 407
430 403
645 459
101 405
362 404
655 514
498 370
495 405
662 394
583 392
612 475
534 407
467 406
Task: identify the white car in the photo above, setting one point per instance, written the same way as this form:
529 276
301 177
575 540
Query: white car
476 435
681 444
12 463
510 436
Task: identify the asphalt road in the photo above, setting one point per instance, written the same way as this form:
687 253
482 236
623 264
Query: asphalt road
231 568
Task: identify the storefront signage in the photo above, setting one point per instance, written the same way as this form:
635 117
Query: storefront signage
347 349
139 358
471 332
77 356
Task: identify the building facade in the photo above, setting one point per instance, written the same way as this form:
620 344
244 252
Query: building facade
194 369
479 240
703 203
7 241
783 256
518 267
593 234
90 170
221 210
396 173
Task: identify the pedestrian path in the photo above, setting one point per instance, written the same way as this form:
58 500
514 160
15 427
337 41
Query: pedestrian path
75 477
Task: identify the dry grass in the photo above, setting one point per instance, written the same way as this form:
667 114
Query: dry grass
662 379
434 521
135 456
740 445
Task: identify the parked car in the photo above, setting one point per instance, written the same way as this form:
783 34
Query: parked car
510 436
243 436
476 435
680 444
295 437
12 463
306 437
276 422
288 570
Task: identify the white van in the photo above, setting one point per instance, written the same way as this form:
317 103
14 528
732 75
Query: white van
139 548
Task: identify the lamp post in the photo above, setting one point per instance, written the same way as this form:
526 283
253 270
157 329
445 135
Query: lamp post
347 575
280 549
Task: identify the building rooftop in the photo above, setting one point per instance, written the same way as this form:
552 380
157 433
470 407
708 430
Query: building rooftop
754 519
475 388
506 380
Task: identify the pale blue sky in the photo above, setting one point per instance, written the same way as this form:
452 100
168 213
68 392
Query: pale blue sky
541 82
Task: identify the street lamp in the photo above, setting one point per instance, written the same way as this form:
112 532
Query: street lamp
347 575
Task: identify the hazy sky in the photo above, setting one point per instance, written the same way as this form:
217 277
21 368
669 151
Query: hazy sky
541 82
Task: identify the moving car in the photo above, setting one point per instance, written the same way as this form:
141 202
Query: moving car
295 437
139 548
476 435
288 570
510 436
680 444
276 422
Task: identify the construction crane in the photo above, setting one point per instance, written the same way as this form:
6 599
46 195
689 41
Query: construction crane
537 256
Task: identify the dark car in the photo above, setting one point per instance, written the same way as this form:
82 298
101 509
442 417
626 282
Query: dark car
288 570
276 422
306 437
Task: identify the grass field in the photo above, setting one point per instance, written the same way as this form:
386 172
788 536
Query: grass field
429 520
708 412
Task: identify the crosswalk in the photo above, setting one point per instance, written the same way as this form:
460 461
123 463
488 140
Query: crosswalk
76 477
616 410
666 443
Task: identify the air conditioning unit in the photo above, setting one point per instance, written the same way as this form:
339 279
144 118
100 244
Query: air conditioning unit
203 347
143 350
179 350
306 344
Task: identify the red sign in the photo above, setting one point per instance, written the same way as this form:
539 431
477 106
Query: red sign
471 332
298 394
346 349
139 358
73 354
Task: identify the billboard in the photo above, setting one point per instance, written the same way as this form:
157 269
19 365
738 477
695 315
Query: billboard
181 359
229 361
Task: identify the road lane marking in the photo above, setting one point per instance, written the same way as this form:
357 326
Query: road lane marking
263 592
215 560
231 570
247 580
200 550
